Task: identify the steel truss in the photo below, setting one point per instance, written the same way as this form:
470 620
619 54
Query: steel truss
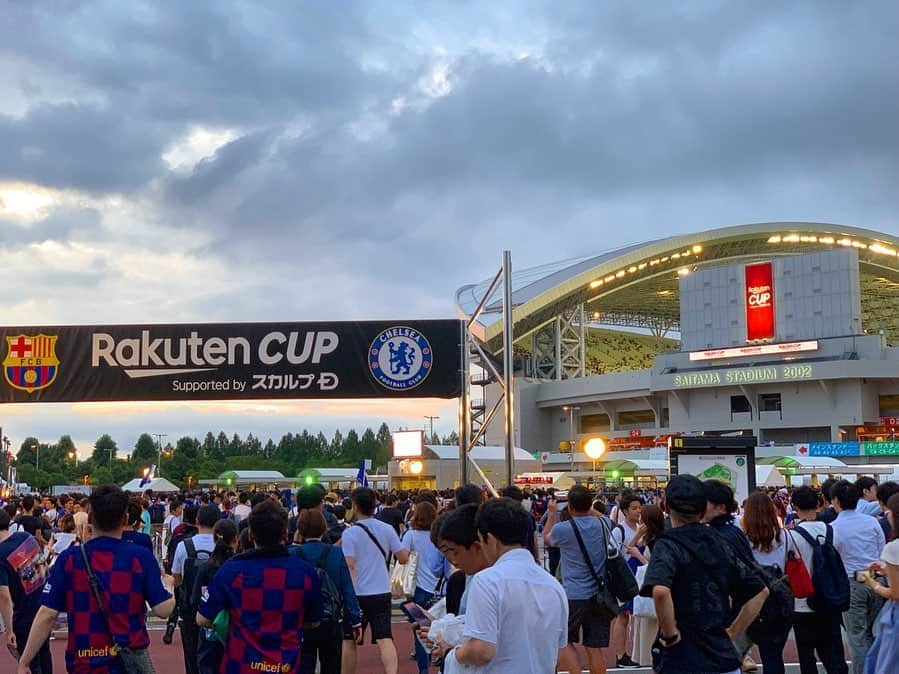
474 418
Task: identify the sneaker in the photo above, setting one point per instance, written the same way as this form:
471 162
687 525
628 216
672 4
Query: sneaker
749 665
625 662
169 631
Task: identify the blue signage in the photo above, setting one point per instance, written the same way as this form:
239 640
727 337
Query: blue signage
834 449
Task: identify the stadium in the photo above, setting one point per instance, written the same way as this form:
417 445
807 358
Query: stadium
784 331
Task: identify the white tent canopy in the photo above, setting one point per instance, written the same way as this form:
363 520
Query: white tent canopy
158 484
769 476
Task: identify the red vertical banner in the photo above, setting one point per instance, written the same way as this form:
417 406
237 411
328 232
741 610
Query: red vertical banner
759 301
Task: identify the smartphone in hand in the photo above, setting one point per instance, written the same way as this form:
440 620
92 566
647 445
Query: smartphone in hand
417 614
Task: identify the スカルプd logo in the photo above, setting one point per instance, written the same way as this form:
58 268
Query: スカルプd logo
31 363
400 358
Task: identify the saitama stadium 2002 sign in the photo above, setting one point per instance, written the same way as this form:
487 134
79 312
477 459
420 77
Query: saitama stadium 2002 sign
372 359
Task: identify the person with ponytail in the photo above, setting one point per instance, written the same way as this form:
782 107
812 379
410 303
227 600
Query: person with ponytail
210 650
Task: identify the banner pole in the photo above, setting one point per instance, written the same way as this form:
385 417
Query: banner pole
508 341
464 406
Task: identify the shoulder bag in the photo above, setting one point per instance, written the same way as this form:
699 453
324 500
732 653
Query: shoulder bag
604 602
403 577
797 572
132 661
620 577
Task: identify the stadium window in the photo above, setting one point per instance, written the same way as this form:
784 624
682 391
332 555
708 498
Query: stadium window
739 405
770 402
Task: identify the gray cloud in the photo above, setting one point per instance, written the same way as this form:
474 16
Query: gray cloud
386 153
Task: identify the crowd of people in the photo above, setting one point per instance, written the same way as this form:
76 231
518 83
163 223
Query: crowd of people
684 580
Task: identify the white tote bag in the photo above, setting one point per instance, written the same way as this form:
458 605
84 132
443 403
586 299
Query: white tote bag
644 607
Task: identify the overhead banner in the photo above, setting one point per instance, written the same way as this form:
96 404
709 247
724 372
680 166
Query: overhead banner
232 361
759 301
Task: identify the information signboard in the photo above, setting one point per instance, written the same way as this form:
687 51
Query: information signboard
729 459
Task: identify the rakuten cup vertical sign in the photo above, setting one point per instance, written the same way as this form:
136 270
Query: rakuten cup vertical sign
759 301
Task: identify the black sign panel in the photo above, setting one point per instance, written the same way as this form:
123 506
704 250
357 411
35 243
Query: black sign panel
231 361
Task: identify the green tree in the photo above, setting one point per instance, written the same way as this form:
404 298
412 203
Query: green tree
27 453
145 452
352 448
385 446
209 444
105 450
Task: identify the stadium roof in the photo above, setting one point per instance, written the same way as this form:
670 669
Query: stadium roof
637 285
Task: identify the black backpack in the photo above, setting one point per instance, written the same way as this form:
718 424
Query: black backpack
828 574
332 599
189 579
775 618
157 513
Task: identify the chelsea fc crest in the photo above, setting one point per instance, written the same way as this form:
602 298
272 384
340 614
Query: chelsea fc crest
400 358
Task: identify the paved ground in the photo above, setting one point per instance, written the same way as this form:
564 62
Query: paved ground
169 659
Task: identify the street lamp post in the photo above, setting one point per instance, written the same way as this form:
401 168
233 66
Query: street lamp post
572 441
37 456
159 437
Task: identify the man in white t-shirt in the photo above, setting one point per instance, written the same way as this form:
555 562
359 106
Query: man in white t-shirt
623 533
202 544
172 520
242 509
516 618
367 547
814 630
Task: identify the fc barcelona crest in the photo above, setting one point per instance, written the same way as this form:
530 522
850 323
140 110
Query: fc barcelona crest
31 363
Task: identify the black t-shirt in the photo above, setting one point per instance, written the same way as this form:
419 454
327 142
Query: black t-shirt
31 524
22 569
392 516
704 575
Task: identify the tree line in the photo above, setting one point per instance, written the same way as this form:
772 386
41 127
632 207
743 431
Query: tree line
190 459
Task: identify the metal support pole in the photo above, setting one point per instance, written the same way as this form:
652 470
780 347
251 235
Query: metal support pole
465 409
557 348
508 341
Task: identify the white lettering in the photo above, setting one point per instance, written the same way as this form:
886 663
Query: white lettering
133 346
214 351
102 345
325 343
265 357
292 356
148 349
233 343
195 342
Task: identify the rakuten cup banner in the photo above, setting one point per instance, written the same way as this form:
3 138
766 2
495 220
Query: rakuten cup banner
374 359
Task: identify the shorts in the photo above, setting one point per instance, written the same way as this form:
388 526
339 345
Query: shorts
583 616
377 612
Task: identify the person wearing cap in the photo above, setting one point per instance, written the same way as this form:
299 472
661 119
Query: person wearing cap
693 578
312 497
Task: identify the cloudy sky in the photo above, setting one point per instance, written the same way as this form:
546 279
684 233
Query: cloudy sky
248 161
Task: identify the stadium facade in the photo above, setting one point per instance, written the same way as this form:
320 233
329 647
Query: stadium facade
784 331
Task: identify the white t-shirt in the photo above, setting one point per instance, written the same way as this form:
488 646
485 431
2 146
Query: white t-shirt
501 611
201 542
818 531
241 511
170 524
777 556
372 576
890 553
